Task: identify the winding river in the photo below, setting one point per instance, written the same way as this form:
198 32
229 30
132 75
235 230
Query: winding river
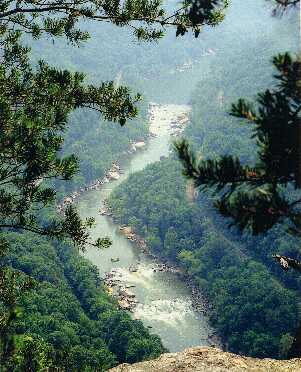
165 302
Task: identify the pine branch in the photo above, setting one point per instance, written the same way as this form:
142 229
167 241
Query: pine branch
60 18
286 262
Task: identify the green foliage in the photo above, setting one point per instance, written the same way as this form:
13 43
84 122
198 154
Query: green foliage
35 105
75 311
236 272
223 263
33 354
250 308
286 342
254 196
68 320
62 18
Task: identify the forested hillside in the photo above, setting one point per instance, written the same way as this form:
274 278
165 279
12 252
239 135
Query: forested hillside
99 145
253 305
253 311
67 319
63 317
54 310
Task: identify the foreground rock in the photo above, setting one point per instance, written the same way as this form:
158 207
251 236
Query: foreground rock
204 359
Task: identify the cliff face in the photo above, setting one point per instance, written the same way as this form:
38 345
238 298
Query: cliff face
209 359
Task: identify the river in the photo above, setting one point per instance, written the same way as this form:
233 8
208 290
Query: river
248 32
165 302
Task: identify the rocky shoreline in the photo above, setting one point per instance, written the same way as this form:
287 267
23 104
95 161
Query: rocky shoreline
112 174
175 128
125 298
121 291
200 304
128 301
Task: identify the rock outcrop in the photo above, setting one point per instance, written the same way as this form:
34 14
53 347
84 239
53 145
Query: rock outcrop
209 359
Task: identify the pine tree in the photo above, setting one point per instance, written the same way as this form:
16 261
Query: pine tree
35 103
148 19
256 197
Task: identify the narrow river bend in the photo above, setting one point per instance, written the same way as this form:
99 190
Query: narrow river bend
165 302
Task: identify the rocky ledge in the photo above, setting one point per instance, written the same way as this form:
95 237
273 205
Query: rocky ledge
209 359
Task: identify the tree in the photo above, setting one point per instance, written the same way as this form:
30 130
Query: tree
35 104
258 196
147 18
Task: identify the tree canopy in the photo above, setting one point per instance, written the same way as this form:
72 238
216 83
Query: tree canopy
147 18
35 105
256 196
36 102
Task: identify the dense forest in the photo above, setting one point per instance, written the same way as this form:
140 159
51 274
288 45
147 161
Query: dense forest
63 316
251 296
55 311
251 307
68 315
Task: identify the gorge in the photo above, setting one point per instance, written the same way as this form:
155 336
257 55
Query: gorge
165 304
88 157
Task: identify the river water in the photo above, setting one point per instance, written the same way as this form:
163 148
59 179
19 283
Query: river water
165 303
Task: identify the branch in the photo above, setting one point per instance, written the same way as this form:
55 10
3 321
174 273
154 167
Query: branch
286 262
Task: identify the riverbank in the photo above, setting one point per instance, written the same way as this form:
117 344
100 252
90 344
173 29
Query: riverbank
112 174
150 289
168 120
163 119
118 284
127 300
